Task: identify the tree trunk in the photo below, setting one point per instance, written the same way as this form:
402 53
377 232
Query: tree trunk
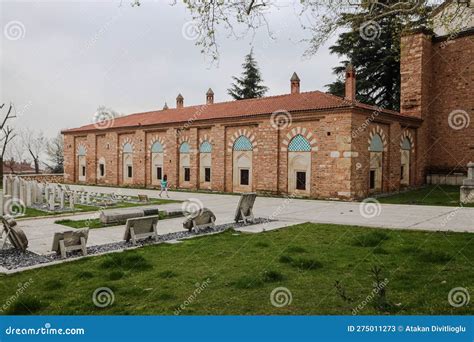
37 169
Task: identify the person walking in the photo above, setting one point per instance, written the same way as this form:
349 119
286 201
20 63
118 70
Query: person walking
164 186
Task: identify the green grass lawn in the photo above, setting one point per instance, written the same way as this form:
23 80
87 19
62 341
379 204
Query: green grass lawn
447 195
241 270
80 208
95 223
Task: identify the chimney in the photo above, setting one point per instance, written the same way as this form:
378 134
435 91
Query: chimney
350 83
295 84
165 106
209 97
179 101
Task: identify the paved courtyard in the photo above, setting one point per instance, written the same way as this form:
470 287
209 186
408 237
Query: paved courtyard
288 212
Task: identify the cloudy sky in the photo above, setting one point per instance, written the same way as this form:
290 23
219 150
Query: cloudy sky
60 60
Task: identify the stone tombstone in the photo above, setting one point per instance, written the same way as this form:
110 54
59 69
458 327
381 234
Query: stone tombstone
199 220
34 192
8 185
46 193
29 194
467 188
71 202
61 200
39 195
16 188
51 202
1 203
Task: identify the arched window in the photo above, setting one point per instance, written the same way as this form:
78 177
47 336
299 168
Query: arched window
243 143
127 161
81 163
376 145
299 165
299 144
157 163
157 147
205 147
205 162
184 148
405 157
127 148
101 167
184 161
242 164
81 150
406 144
376 161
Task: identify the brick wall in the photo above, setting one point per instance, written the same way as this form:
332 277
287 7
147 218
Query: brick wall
437 80
339 163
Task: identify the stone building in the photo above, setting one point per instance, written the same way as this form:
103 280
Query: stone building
309 144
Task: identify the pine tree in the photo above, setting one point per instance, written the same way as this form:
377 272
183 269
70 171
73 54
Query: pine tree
375 58
249 85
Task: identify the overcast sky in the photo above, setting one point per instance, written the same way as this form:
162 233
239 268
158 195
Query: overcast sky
68 58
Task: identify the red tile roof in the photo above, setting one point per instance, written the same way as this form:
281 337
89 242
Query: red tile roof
314 100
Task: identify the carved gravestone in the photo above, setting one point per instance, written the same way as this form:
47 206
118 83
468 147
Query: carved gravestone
15 235
467 188
70 241
201 219
244 211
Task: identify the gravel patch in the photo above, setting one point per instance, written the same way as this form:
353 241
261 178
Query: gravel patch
12 259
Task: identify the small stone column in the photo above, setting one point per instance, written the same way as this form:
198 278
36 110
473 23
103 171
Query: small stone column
467 188
51 202
61 200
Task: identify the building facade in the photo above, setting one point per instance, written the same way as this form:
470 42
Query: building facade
309 144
